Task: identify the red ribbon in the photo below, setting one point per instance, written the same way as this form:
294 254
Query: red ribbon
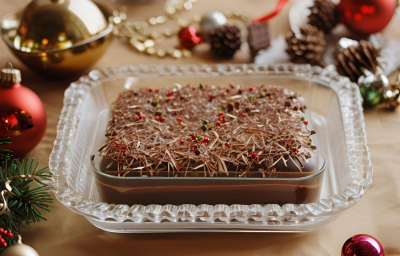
279 6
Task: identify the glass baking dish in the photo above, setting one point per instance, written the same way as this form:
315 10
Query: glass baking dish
336 115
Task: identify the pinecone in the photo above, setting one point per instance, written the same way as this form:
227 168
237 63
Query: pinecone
308 47
323 15
225 40
352 61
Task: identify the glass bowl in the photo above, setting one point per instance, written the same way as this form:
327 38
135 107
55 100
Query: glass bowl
336 114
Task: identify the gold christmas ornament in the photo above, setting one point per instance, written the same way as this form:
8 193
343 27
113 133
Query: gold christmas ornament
58 37
20 249
391 95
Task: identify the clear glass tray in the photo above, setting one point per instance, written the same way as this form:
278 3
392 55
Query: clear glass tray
336 114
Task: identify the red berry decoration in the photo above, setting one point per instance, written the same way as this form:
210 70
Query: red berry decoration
294 149
243 114
194 147
150 90
4 244
180 120
170 93
140 117
182 141
158 117
115 144
227 145
157 90
197 152
254 155
362 245
223 120
305 122
112 120
189 37
220 114
250 88
366 16
194 137
206 140
218 123
189 139
162 119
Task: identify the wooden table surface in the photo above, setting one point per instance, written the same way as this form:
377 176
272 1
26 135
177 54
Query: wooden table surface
67 233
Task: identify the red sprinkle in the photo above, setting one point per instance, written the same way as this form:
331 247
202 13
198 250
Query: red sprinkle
243 114
294 149
162 119
194 137
158 117
157 90
220 114
112 120
180 120
223 120
150 90
182 141
218 123
169 93
189 139
206 139
250 88
140 117
115 143
231 85
288 149
194 147
169 98
211 98
193 88
227 145
124 147
305 122
209 127
119 150
254 155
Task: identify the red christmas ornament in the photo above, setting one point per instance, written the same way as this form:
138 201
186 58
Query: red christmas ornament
366 16
362 245
22 114
189 37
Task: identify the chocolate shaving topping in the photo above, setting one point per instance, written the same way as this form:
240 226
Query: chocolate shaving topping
209 132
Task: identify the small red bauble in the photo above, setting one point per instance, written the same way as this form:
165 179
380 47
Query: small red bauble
22 117
218 123
362 245
366 16
189 37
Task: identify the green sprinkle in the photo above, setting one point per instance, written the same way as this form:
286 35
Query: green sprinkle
205 122
158 106
204 128
302 118
201 86
262 94
191 133
158 113
108 134
292 97
200 137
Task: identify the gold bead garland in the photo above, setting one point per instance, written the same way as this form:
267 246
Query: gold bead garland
145 42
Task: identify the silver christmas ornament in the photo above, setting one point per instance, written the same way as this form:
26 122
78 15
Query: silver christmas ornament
210 21
20 249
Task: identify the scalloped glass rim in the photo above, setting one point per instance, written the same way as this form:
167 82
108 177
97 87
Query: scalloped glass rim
263 216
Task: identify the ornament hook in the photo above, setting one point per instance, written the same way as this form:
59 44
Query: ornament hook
9 64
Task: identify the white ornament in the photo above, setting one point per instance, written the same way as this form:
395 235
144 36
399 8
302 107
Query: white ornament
210 21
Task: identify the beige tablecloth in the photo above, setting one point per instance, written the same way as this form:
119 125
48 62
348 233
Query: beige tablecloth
67 233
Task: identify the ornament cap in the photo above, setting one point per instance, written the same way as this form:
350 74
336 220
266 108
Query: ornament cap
10 76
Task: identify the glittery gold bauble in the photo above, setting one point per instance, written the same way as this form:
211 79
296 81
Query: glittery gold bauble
392 96
20 249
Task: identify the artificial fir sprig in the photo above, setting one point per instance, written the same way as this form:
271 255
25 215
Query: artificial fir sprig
18 201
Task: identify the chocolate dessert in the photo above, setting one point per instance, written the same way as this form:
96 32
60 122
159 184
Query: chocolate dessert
206 132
